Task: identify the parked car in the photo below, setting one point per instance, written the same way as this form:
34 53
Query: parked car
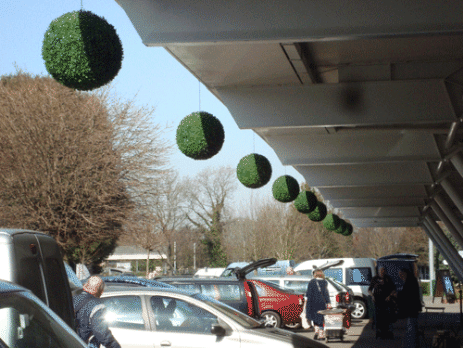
340 295
33 260
208 272
157 317
26 321
356 273
276 306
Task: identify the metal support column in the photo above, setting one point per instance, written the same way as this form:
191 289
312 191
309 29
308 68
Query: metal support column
437 242
453 231
432 272
457 162
453 258
453 194
450 214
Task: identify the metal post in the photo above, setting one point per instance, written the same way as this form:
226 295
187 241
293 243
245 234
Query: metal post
453 258
441 214
175 257
194 256
457 162
439 245
431 266
453 194
450 214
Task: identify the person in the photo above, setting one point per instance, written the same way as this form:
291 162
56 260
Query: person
318 299
409 306
383 291
90 311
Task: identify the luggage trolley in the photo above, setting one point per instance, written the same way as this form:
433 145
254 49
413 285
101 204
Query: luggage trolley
336 322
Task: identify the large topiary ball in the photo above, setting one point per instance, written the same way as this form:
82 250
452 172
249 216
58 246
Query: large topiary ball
342 226
200 135
331 222
82 50
254 170
305 202
319 213
348 230
285 189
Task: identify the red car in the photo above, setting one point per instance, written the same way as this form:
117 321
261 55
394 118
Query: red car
278 306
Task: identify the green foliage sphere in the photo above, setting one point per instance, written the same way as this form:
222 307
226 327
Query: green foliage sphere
305 202
82 50
319 213
285 189
254 170
348 230
342 226
331 222
200 135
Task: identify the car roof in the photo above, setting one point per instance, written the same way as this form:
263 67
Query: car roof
132 280
198 280
144 290
6 287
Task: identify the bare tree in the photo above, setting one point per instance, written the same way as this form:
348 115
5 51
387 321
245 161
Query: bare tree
73 164
207 196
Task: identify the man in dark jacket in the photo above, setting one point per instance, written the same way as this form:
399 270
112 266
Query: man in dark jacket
410 306
90 311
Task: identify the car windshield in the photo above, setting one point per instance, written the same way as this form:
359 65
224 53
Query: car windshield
231 313
25 323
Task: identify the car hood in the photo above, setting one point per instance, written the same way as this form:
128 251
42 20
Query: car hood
292 338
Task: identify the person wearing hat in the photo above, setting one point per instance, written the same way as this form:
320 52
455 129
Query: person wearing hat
90 310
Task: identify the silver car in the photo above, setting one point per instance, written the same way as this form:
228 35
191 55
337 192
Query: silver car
160 317
25 321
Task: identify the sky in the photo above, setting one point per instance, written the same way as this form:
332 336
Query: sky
148 74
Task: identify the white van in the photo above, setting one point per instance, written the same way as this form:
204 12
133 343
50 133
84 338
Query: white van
356 273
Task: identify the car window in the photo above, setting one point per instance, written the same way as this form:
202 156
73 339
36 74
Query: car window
335 273
27 324
174 315
222 292
296 285
193 288
358 276
124 312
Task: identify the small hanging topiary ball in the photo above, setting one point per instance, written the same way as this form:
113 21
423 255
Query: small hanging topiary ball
82 50
305 202
342 226
319 213
331 222
254 170
285 189
348 230
200 135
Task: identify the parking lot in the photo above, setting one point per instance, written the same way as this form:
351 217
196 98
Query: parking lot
362 335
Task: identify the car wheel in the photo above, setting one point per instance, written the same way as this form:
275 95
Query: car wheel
293 326
271 319
360 311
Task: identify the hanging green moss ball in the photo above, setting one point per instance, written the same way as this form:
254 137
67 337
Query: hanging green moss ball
348 230
342 226
285 189
200 135
82 50
305 202
331 222
254 170
319 213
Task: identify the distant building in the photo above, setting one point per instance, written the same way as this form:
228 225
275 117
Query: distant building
124 255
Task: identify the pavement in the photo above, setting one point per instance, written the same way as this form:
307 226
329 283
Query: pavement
432 323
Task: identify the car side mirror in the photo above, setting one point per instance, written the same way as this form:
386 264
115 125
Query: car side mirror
218 330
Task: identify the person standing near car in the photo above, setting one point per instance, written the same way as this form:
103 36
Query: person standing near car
383 291
318 299
90 311
409 306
